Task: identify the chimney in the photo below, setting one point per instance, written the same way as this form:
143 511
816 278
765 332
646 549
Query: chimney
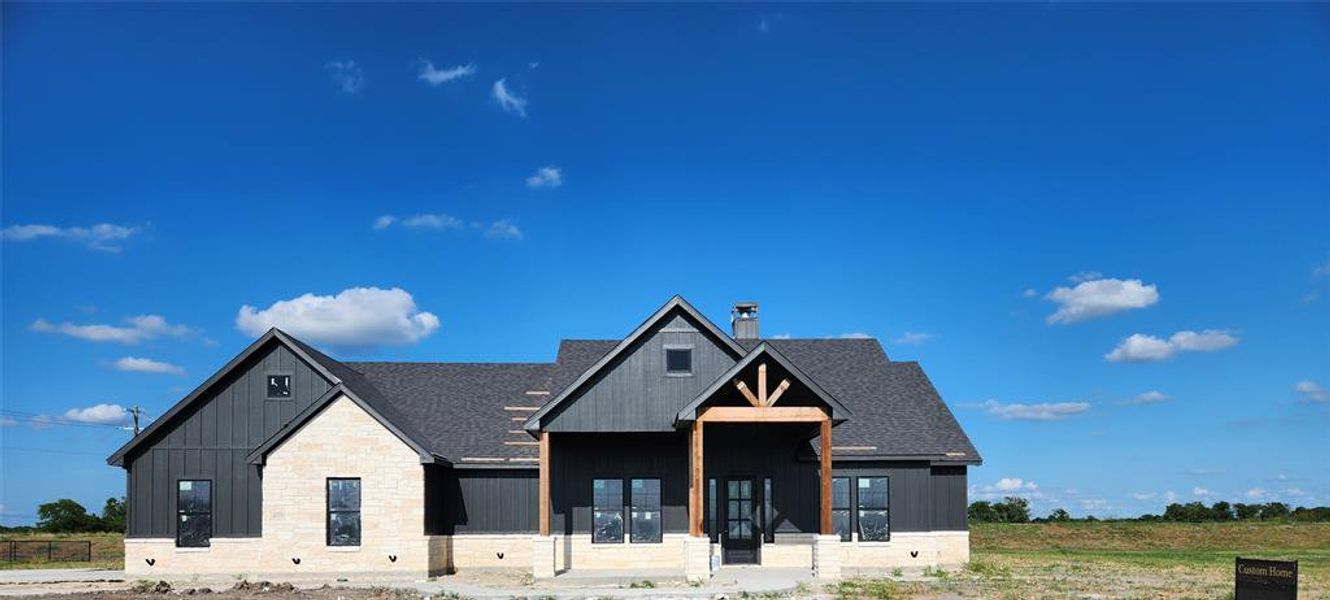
743 320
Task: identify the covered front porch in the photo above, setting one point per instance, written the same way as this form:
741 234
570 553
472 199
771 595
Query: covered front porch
745 479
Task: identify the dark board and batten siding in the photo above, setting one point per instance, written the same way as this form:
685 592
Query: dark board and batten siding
634 393
461 501
950 499
211 441
910 491
578 459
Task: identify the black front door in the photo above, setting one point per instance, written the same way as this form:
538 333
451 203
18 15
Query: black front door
739 540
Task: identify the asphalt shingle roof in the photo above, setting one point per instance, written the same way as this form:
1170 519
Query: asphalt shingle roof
473 412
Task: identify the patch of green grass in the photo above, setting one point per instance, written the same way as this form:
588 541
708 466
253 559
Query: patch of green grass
986 568
865 589
644 584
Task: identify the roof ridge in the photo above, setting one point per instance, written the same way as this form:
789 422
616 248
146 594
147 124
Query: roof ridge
446 362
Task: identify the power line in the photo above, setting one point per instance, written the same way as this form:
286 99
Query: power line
50 451
54 421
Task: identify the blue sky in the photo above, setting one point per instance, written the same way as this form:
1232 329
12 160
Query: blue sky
944 178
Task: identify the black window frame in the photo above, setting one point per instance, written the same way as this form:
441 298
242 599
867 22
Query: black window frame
329 511
290 385
678 348
847 508
635 508
859 507
181 513
598 508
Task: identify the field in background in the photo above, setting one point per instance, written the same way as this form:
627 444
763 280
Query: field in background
108 551
1113 560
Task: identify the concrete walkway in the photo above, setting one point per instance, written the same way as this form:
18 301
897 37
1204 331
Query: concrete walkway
18 576
34 582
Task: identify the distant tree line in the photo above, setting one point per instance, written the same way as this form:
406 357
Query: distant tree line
1014 509
68 516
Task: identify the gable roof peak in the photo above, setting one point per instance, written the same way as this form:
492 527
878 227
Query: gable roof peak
688 413
676 302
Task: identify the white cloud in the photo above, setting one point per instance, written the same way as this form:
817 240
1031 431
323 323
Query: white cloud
1048 411
1310 391
1139 347
1085 276
912 338
1099 298
436 77
503 229
1014 484
1200 492
147 365
430 221
8 422
1321 270
1256 493
855 335
782 336
1170 497
362 316
1150 397
346 74
102 414
546 177
1030 293
102 236
135 330
1143 495
506 99
1095 504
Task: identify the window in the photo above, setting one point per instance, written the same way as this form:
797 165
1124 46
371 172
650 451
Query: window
646 525
279 386
874 526
607 511
193 513
768 518
711 510
343 512
678 361
840 507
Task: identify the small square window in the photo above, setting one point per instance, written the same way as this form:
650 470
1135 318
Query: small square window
679 361
279 386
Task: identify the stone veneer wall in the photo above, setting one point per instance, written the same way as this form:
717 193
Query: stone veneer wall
933 547
341 441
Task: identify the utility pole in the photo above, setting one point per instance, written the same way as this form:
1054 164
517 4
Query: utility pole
135 412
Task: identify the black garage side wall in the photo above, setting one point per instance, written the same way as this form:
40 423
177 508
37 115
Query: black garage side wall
211 440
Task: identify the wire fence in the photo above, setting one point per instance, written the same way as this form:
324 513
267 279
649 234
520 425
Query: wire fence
46 550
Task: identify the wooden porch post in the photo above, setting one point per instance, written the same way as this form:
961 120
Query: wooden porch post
544 483
825 479
695 483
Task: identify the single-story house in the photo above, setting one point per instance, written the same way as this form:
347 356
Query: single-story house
680 446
